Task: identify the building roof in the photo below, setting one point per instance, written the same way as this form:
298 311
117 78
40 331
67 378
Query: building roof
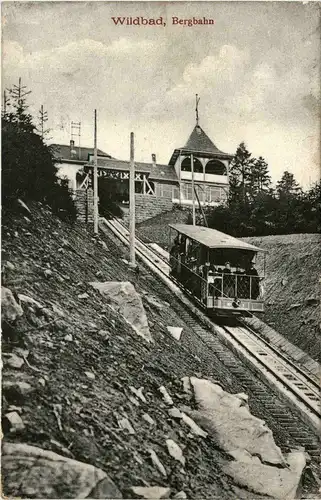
158 172
199 142
63 152
212 238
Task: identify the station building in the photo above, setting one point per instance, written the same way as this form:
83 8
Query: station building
158 187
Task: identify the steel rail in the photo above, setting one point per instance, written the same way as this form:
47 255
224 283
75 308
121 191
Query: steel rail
145 251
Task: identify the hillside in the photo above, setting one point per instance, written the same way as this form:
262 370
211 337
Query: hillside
293 269
72 365
85 405
292 289
156 230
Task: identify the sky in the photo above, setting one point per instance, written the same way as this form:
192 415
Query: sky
256 70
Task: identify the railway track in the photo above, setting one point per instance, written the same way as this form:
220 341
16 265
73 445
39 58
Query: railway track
302 392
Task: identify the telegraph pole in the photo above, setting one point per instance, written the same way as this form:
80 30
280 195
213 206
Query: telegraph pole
193 188
95 177
132 204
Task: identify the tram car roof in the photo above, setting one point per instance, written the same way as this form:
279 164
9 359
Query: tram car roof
212 238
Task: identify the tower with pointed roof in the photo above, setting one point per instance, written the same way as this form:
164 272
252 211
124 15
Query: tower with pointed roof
211 167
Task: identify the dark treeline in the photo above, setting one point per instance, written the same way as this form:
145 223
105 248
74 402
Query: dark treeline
254 208
28 165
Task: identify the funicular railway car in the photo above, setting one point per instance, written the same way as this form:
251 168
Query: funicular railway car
218 270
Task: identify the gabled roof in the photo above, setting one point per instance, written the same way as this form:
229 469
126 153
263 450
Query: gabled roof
63 152
158 172
212 238
199 142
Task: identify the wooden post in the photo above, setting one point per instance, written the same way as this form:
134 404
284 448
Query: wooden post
180 178
95 177
193 187
132 204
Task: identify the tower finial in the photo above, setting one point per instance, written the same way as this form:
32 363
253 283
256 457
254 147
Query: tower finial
196 109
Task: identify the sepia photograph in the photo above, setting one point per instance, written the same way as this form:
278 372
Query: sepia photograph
161 257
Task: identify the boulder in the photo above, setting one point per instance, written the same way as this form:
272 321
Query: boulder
175 451
175 413
124 299
13 422
157 462
230 422
175 331
166 397
153 302
180 494
15 361
29 300
138 393
151 492
16 392
10 309
125 425
283 484
31 472
148 419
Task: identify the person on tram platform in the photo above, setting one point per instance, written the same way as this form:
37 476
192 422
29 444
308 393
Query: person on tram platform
227 268
205 270
228 281
240 283
217 281
253 282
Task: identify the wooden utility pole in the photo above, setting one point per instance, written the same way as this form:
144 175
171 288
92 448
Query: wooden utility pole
95 177
180 178
5 102
193 188
132 204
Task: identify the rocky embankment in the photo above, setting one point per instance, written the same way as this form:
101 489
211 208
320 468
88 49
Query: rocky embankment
100 398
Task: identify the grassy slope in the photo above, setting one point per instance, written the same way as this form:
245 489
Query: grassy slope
293 271
105 345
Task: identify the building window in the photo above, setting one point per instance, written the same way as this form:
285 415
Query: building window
186 165
205 193
166 191
215 167
186 191
176 192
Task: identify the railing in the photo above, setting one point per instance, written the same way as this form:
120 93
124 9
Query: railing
242 286
216 285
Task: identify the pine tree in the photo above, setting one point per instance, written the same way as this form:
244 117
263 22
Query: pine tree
287 186
18 98
259 178
28 165
42 120
5 104
239 173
